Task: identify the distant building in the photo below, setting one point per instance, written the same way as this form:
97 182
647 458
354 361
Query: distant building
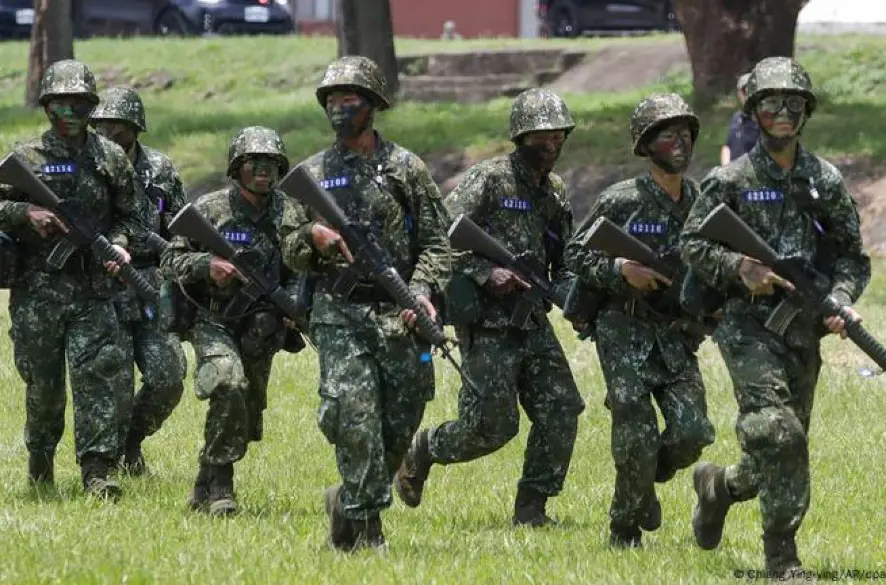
425 18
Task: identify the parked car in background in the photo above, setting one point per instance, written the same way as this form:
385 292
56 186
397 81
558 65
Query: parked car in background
16 17
146 17
570 18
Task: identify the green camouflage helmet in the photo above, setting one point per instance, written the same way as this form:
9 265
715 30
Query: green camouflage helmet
779 74
67 77
539 109
257 140
656 110
742 83
359 73
121 103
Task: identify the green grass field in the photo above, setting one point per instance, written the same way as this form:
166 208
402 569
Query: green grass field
219 85
462 532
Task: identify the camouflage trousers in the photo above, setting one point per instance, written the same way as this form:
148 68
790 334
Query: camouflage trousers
774 388
237 390
636 372
87 334
512 367
373 391
161 361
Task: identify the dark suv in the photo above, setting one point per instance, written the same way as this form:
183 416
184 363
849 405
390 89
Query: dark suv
570 18
182 17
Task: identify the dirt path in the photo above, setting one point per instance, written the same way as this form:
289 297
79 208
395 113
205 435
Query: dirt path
623 67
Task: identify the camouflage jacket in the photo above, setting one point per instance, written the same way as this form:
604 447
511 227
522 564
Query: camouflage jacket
501 197
766 198
246 227
100 181
645 211
165 195
392 195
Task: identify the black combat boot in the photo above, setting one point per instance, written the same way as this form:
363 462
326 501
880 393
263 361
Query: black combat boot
94 470
41 469
368 534
780 552
133 459
529 509
651 519
625 537
198 499
221 491
410 478
341 532
712 506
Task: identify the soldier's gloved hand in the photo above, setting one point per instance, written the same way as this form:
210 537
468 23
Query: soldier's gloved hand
44 221
760 279
328 242
642 277
222 272
502 282
837 324
409 317
114 267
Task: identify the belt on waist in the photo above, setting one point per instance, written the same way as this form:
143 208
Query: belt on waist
641 310
363 292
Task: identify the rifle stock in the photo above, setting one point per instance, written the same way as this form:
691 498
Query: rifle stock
723 225
613 241
81 231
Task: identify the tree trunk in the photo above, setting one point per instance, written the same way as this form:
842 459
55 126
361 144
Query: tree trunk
52 39
365 28
725 38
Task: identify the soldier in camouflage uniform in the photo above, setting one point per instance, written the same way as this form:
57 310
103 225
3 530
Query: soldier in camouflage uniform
799 204
234 352
642 339
375 374
120 117
67 312
519 201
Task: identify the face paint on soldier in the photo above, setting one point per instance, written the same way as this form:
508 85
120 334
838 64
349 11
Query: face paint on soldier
118 131
258 174
670 148
349 114
541 149
69 115
781 116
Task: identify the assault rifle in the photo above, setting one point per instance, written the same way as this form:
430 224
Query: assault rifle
464 234
191 224
82 231
371 260
607 237
812 288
